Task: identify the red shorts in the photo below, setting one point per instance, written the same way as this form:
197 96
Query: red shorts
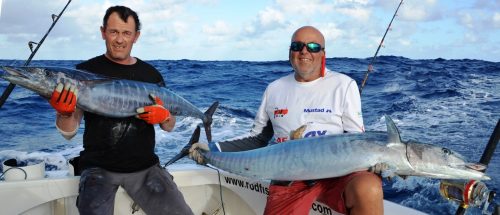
298 198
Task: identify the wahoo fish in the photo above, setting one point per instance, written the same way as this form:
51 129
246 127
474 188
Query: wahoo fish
103 95
338 155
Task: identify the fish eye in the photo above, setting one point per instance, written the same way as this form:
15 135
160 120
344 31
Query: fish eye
446 151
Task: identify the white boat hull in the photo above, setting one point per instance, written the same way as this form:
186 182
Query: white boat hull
200 186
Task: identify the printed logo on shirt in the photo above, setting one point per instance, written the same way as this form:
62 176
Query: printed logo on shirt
281 139
315 133
317 110
280 112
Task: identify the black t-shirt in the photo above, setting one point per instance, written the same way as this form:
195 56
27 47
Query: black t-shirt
119 144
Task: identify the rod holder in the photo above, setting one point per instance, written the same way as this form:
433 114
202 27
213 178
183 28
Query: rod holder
30 44
54 17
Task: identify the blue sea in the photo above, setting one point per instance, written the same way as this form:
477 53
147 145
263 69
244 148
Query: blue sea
451 103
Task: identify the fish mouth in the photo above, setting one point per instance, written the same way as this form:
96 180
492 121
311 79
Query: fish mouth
485 177
13 71
14 74
479 168
476 166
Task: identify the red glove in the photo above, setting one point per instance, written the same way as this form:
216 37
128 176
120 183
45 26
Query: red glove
64 98
154 114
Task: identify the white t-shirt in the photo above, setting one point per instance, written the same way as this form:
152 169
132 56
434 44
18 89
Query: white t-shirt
328 105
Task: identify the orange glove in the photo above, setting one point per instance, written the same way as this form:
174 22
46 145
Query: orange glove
153 114
64 98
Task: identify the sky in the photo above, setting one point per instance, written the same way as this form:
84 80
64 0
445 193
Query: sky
258 30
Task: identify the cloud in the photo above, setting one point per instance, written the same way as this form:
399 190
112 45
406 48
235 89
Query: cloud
466 20
355 9
479 23
330 31
304 8
259 30
220 31
413 11
487 5
88 23
362 14
496 20
286 13
271 18
470 38
27 16
404 42
267 20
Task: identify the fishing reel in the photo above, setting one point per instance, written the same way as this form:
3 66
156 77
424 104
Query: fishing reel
467 193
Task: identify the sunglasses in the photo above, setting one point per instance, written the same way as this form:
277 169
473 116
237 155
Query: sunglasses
311 47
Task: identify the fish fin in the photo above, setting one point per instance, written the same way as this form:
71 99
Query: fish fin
392 131
212 147
207 122
185 150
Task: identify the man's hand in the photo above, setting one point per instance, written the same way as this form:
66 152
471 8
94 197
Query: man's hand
384 171
297 133
378 168
195 154
154 114
64 99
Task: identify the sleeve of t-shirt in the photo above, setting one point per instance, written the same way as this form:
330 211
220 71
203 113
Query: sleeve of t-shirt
352 117
261 118
260 134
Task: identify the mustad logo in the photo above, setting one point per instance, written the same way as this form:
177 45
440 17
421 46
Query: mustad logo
317 110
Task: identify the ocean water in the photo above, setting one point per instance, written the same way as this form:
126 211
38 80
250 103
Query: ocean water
451 103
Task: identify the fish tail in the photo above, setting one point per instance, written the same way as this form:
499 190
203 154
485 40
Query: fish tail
207 123
185 150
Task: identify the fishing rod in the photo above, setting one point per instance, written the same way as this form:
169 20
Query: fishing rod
477 190
11 86
370 66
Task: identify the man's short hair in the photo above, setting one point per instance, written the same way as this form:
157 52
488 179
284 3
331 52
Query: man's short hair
124 13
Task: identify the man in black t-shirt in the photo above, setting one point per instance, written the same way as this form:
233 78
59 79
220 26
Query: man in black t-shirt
120 151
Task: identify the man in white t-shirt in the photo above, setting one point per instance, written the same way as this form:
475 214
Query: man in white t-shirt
328 103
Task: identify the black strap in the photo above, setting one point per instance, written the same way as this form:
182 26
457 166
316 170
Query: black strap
309 183
281 183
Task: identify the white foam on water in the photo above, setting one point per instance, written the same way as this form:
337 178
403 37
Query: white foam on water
391 88
410 183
